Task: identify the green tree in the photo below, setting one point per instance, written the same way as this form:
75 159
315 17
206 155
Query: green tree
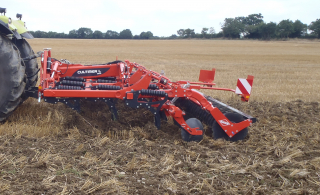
73 34
204 32
40 34
267 31
212 32
97 34
232 28
61 35
251 25
173 36
253 19
299 29
146 35
181 32
125 34
189 33
285 28
111 35
84 33
51 34
314 27
136 37
219 34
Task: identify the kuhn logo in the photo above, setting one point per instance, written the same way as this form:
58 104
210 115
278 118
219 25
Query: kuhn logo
89 72
224 122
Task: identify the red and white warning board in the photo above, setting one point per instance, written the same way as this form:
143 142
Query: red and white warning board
244 87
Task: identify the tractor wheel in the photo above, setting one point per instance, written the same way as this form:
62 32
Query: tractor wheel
31 65
193 123
12 77
218 132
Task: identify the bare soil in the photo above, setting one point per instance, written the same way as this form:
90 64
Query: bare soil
51 149
92 154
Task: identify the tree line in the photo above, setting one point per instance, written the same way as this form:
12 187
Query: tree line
254 27
250 27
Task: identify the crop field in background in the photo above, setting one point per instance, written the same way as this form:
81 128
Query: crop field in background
283 70
51 149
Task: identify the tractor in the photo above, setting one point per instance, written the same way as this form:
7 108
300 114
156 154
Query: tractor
16 76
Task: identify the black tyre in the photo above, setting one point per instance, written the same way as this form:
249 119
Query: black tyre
193 123
218 132
12 77
31 65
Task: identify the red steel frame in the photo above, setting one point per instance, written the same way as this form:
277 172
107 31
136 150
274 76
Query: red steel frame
133 77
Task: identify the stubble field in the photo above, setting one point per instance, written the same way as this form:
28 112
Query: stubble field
50 149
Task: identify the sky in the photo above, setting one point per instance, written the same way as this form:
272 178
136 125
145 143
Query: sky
161 17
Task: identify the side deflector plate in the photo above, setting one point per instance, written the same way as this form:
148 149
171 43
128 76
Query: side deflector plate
224 106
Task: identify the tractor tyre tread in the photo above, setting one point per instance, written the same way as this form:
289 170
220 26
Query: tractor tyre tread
12 77
31 65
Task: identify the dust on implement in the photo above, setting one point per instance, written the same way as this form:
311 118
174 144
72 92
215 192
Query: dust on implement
61 81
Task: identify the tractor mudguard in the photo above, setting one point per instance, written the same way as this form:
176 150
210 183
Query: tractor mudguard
4 28
27 35
21 29
15 27
7 28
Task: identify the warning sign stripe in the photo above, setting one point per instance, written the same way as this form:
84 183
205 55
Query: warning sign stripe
243 87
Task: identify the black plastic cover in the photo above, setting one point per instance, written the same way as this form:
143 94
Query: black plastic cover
4 28
27 35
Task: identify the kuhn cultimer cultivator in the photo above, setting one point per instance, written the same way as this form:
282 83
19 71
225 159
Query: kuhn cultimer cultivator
61 81
64 82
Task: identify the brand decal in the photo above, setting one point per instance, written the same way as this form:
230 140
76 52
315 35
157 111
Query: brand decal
224 122
90 72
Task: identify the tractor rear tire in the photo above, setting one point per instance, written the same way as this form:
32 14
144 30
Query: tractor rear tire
31 65
12 77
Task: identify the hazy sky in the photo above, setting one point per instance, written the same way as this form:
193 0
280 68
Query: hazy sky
161 17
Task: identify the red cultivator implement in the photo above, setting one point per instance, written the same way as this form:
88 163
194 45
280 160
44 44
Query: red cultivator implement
61 81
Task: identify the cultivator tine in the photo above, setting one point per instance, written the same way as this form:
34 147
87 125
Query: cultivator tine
157 120
76 105
111 104
163 115
134 101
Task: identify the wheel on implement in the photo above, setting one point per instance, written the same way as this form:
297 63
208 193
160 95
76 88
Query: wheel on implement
12 77
218 132
193 123
31 65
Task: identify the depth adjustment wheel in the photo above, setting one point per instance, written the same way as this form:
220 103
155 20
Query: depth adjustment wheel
218 132
193 123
